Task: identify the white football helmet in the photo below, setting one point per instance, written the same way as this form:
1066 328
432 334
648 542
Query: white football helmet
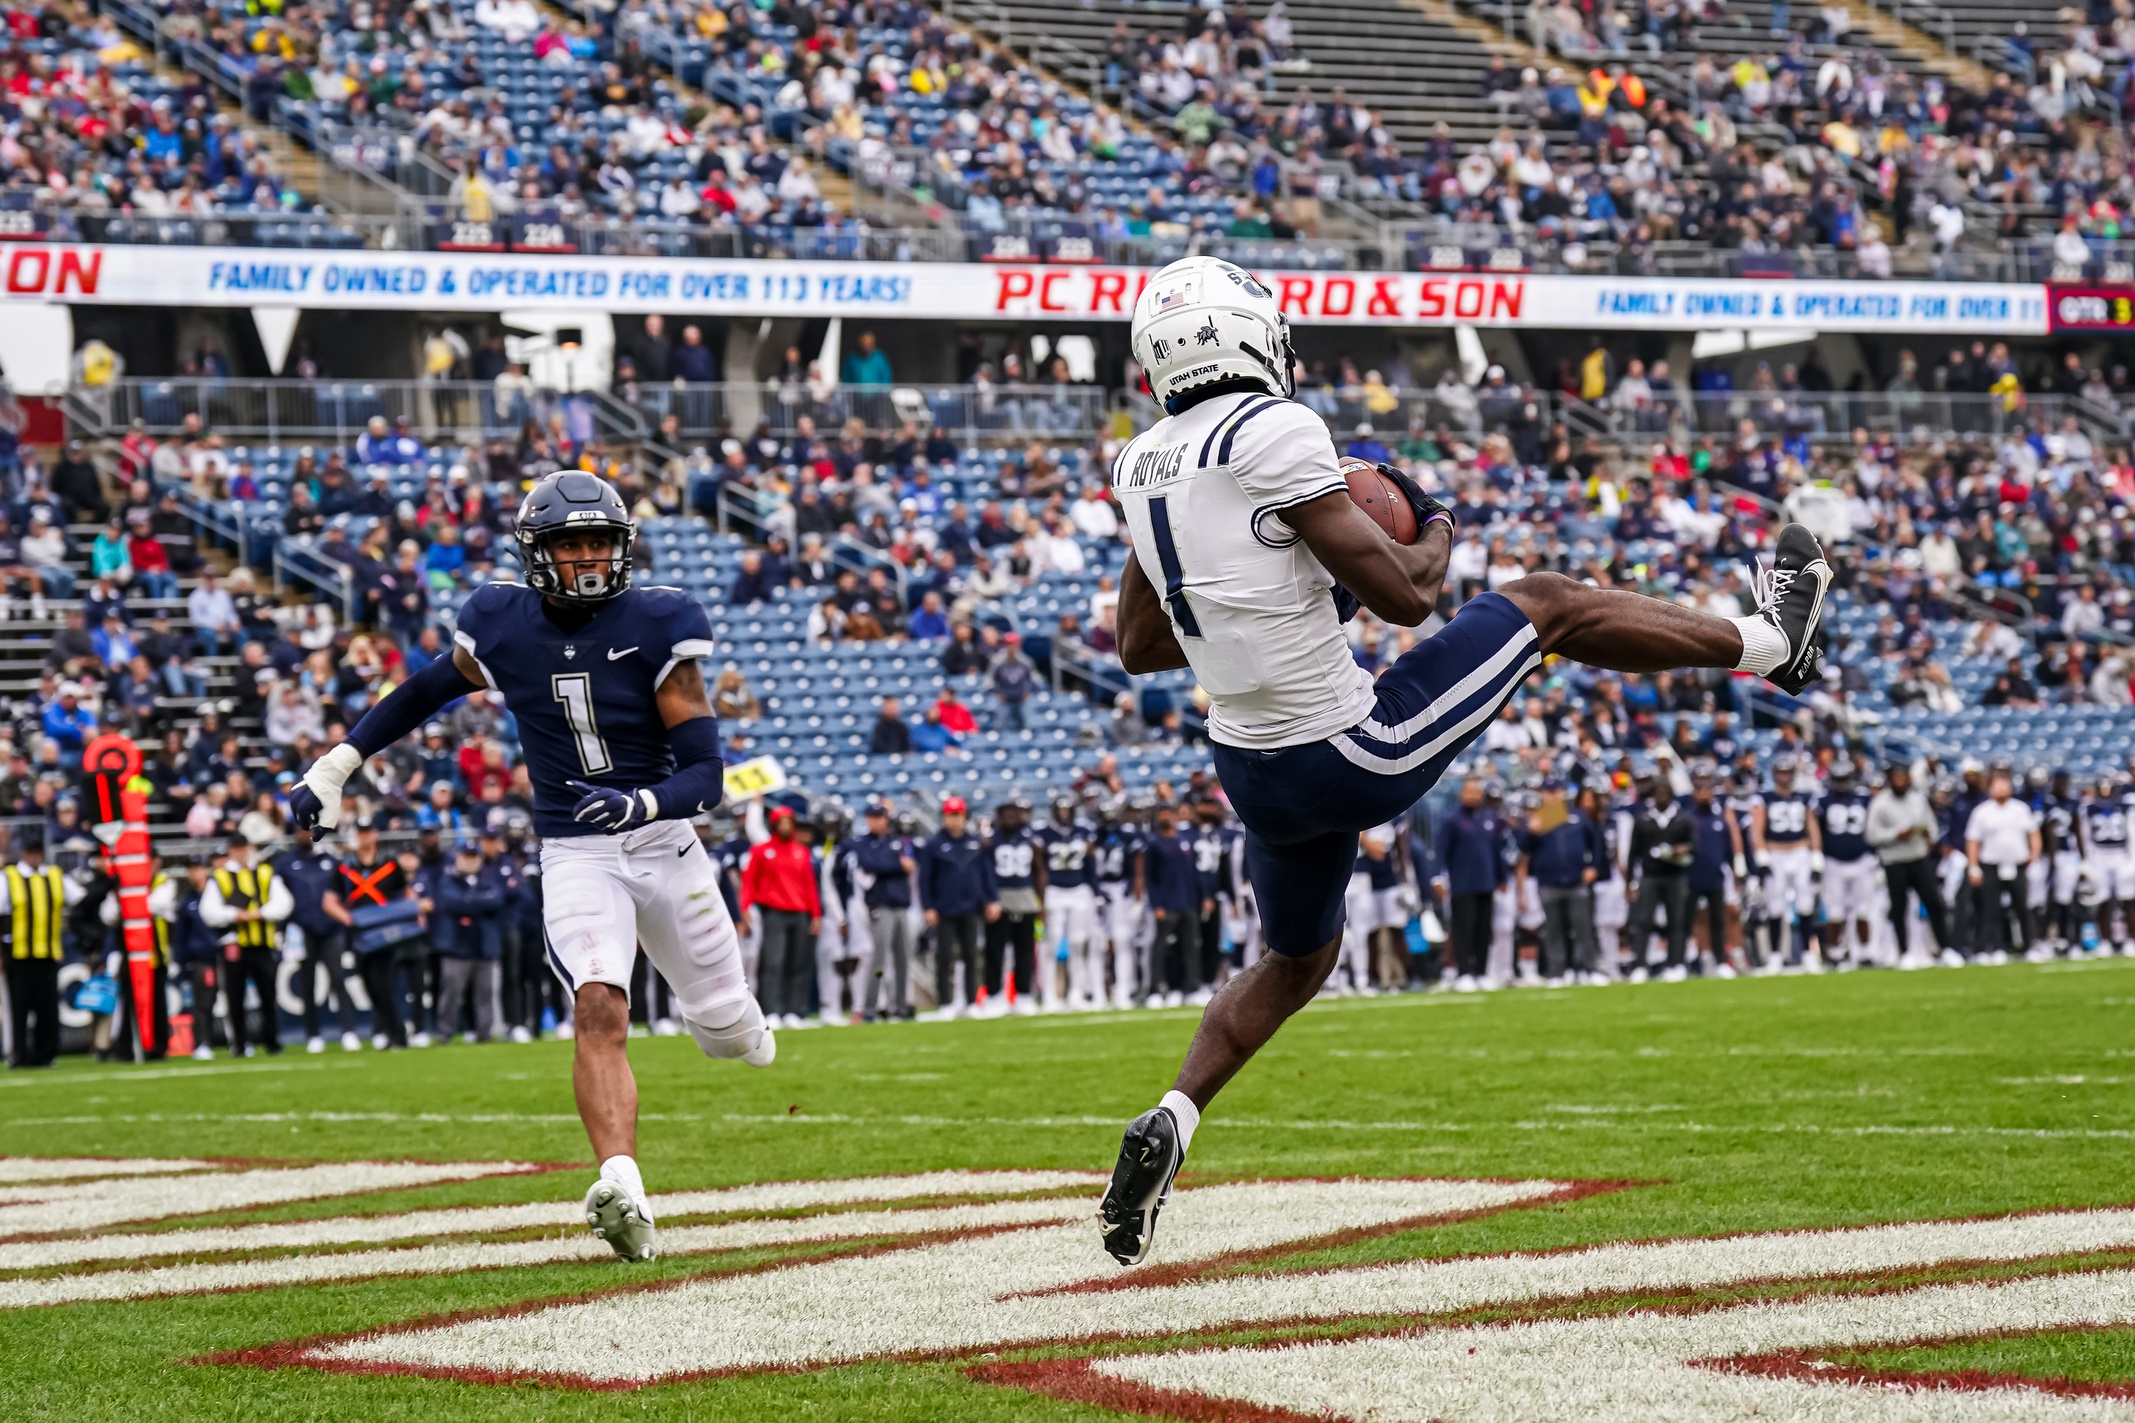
1202 320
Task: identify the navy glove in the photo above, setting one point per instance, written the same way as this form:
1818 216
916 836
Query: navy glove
1345 602
304 807
610 810
1425 507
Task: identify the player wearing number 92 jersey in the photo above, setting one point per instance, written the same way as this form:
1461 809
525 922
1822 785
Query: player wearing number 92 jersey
622 749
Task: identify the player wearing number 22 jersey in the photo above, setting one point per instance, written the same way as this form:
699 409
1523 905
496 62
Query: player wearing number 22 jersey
622 750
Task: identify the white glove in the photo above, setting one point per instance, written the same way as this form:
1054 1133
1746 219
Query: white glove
324 780
1816 862
1742 868
1758 856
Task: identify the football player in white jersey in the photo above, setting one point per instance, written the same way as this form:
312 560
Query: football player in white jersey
1247 552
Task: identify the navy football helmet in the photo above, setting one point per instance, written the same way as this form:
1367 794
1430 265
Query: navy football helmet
573 501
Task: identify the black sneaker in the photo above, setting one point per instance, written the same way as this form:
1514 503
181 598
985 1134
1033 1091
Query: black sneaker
1791 598
1148 1159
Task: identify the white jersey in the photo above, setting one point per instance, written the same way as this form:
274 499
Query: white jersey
1203 492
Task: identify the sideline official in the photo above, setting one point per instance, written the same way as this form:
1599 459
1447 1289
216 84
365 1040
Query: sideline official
34 899
248 903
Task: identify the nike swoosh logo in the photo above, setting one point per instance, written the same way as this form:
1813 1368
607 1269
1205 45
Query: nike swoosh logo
683 851
613 656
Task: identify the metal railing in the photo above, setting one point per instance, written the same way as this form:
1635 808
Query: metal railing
1924 16
337 411
322 410
670 419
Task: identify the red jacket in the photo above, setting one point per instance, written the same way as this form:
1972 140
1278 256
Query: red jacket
781 875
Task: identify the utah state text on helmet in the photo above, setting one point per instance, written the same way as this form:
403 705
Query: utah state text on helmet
1202 321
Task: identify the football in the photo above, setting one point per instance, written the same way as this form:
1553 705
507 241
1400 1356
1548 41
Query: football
1377 496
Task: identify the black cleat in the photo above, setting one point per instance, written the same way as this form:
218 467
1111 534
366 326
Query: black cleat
1149 1158
1791 598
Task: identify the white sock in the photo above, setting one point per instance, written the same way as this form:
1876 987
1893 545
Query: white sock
623 1171
1185 1113
1764 647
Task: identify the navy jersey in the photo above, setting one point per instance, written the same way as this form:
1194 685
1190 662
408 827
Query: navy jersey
2105 824
1212 853
1172 882
1384 871
1114 854
1786 819
1014 859
731 856
2057 821
584 701
1712 849
1845 826
1067 856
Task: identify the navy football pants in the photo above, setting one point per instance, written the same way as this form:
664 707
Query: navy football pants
1304 806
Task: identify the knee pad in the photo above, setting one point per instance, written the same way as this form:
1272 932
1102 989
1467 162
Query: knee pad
725 1029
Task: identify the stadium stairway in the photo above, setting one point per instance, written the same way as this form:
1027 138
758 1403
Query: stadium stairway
1418 63
26 642
296 165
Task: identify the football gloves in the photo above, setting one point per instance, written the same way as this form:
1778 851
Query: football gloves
612 810
315 802
1425 507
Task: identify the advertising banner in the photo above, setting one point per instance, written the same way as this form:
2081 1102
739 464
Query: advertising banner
466 281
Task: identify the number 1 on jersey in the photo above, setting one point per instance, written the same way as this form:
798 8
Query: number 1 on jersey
576 694
1167 557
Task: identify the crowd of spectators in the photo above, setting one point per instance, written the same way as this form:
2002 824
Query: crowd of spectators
87 130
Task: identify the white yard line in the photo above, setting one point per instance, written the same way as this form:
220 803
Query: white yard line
17 1169
479 1220
1655 1367
961 1295
977 1294
496 1255
88 1205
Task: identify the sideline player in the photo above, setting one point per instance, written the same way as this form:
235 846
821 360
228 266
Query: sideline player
1852 874
2103 822
1071 902
603 680
1246 543
1787 844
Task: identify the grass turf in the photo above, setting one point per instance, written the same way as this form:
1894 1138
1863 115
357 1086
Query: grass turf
1748 1105
2075 1355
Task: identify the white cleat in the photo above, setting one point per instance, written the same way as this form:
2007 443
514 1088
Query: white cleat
351 1043
620 1219
315 1045
765 1052
522 1034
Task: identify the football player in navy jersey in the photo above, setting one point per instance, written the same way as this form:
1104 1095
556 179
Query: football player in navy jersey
1853 876
1012 935
604 683
1122 884
2055 873
1787 844
1071 902
2102 821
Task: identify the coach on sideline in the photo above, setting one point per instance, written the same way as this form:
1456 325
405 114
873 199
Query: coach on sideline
780 880
1903 826
1468 845
1564 860
2001 840
957 886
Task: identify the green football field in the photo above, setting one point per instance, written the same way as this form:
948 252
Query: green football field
1662 1111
